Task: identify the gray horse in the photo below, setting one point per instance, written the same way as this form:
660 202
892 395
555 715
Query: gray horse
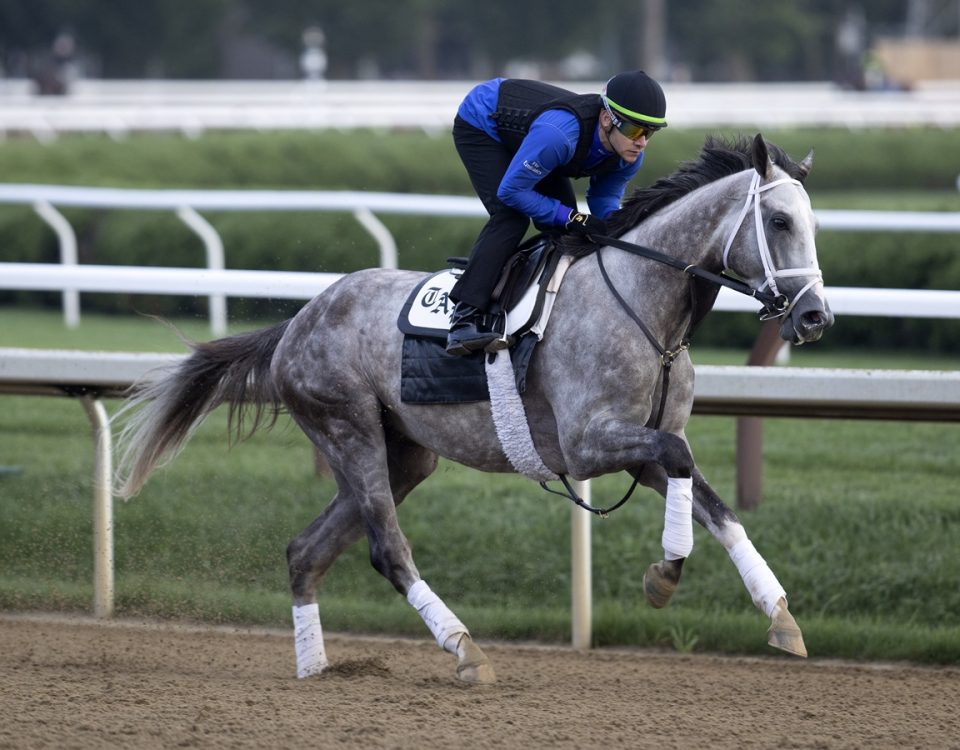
596 399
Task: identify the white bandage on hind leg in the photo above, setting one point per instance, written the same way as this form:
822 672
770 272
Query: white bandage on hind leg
444 625
764 588
678 519
308 639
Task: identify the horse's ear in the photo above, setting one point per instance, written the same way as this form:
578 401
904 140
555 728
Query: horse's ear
761 159
805 165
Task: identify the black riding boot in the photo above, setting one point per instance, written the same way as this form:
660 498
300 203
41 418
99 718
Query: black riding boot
469 331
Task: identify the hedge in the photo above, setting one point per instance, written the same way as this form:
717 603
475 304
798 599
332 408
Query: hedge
855 169
411 161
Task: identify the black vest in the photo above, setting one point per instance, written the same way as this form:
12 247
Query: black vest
520 102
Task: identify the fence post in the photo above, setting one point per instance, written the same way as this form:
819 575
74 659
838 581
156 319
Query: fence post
68 257
581 564
750 429
102 507
214 248
379 231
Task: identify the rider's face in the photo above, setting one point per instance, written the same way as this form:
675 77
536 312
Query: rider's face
627 149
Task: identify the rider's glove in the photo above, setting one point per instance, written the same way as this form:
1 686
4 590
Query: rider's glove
585 225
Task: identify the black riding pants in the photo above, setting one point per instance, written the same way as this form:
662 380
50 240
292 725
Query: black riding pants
486 162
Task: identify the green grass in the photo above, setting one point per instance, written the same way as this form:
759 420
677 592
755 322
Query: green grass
860 522
44 329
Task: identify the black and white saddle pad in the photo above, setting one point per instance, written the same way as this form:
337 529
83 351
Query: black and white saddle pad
428 309
428 375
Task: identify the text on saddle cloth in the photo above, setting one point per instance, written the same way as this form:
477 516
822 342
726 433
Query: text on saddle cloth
528 294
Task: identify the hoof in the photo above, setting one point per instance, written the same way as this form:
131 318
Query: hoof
660 582
784 633
473 666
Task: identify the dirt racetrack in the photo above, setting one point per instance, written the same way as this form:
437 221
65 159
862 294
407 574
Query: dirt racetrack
70 683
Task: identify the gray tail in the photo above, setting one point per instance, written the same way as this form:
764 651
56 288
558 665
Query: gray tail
162 414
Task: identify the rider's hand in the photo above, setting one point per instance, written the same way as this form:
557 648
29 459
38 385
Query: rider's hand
585 225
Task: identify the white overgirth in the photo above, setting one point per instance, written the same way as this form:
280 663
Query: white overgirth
506 406
510 420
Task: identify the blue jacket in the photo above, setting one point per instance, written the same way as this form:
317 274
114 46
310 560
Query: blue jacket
550 143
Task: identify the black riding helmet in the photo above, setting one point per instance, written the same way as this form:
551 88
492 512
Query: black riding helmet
637 98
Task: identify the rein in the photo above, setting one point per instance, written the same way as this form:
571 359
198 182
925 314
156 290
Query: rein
774 303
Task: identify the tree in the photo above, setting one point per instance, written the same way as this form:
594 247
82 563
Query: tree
124 39
747 40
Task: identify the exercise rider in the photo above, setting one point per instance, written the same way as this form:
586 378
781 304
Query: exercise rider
521 142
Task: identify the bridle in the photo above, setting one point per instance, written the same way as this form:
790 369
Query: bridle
775 304
782 306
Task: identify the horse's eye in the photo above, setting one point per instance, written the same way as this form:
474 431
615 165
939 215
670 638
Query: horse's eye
780 222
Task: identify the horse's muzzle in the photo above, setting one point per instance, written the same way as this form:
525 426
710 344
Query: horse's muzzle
806 322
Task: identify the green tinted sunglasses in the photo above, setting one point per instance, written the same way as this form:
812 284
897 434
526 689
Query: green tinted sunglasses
631 130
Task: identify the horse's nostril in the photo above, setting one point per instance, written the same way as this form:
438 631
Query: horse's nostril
813 319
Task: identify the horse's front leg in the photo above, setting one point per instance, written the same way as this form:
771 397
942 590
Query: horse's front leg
662 578
660 460
765 590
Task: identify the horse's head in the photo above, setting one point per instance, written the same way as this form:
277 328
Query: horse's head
771 245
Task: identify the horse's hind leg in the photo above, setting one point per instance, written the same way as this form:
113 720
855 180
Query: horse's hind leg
409 464
765 590
343 523
308 558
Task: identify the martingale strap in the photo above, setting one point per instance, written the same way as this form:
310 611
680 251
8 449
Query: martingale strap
667 356
572 495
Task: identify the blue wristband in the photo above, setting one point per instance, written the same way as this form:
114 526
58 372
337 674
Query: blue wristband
562 215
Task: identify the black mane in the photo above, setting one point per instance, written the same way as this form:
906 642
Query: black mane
719 158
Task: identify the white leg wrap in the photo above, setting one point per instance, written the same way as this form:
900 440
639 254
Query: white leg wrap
764 588
444 625
678 519
308 638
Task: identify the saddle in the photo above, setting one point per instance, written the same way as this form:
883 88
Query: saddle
522 301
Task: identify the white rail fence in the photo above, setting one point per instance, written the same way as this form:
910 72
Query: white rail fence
914 303
45 199
192 107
